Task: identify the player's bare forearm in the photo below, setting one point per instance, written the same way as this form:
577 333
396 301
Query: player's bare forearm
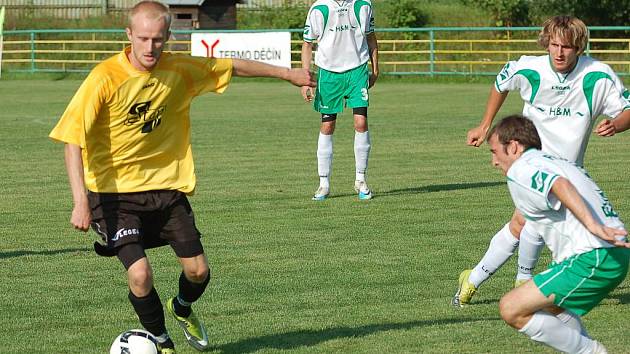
622 121
494 104
564 190
477 135
250 68
572 200
306 60
81 216
373 50
306 55
610 127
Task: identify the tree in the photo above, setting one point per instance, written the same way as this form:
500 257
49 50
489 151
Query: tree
508 13
593 13
403 13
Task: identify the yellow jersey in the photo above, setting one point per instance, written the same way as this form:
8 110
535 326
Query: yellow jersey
134 126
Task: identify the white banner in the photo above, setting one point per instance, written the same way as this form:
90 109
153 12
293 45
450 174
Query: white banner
269 47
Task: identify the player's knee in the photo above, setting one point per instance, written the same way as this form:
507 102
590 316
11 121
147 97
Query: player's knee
360 128
516 228
197 273
360 121
507 310
140 280
327 128
513 314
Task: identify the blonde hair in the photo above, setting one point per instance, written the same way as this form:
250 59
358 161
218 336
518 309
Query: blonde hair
567 28
153 9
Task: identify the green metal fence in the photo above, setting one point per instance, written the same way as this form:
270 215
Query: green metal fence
403 51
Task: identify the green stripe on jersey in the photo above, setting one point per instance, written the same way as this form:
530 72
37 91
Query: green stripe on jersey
325 12
588 86
534 81
357 9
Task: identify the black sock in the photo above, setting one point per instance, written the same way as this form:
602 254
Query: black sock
189 292
149 311
168 343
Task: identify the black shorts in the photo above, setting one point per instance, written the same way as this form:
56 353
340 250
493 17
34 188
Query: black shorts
151 219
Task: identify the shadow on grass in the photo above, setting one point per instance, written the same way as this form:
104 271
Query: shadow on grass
22 253
440 188
622 294
424 189
493 301
305 338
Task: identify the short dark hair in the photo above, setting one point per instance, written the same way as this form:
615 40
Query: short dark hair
518 128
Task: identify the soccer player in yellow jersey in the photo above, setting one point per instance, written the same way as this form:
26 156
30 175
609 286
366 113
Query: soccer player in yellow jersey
127 136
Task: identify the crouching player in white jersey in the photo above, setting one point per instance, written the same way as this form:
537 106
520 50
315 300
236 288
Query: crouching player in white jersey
563 93
580 227
344 30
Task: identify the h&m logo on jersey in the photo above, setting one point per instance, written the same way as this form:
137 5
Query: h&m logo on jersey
559 111
342 28
149 118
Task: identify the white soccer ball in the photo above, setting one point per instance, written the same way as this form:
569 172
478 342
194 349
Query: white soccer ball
135 341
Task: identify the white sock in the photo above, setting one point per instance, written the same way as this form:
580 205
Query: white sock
528 252
361 153
500 250
324 159
162 337
545 328
572 320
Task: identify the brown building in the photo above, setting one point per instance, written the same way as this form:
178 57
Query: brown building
202 14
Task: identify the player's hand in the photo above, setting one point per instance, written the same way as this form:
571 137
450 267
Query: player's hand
605 128
307 93
301 77
611 235
372 80
476 136
81 217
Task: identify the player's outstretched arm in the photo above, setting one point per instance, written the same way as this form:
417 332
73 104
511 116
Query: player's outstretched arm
81 216
608 127
564 190
306 58
373 49
250 68
477 135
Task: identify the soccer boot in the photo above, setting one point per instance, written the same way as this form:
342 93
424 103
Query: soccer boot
465 291
194 330
166 350
321 194
166 346
362 188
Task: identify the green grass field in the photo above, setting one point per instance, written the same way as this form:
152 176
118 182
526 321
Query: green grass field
289 274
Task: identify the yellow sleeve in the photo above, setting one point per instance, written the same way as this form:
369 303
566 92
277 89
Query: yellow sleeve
209 74
82 111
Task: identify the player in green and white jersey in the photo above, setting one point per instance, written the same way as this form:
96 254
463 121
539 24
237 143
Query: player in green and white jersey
579 225
344 32
563 93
